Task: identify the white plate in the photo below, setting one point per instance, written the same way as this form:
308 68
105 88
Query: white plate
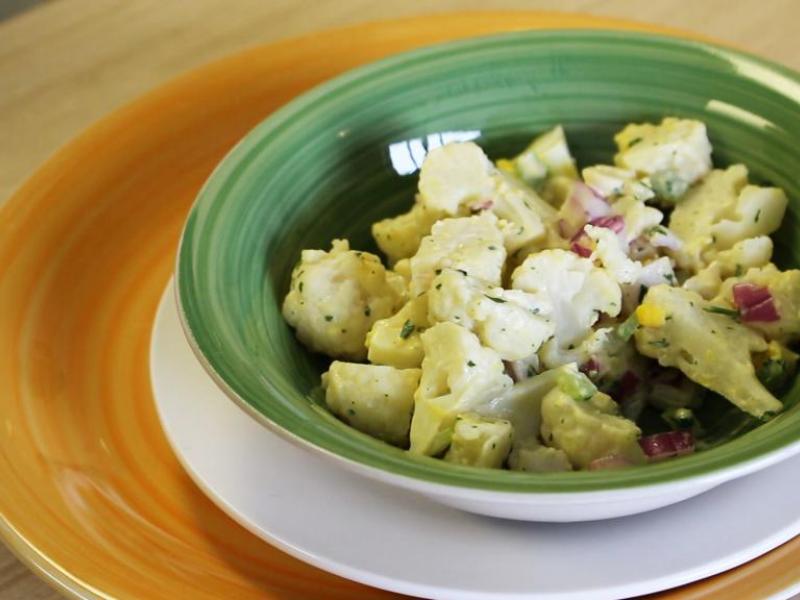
400 541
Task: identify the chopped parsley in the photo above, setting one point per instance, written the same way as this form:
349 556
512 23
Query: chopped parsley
627 327
300 287
739 271
493 299
438 271
470 363
721 310
662 343
438 286
407 330
492 247
463 272
367 311
329 317
634 141
758 215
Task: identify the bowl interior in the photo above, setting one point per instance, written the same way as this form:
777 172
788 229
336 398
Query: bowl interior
346 154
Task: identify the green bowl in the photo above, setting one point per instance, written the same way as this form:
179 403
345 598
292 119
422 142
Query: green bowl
345 154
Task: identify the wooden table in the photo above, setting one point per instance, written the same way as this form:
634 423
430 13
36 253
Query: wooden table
68 62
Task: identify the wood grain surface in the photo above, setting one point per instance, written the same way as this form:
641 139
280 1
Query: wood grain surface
67 63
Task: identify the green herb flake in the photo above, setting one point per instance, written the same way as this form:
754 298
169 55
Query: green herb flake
739 271
329 317
407 330
492 247
300 287
634 141
463 272
470 363
625 329
721 310
662 343
758 215
351 412
438 286
367 311
493 299
438 271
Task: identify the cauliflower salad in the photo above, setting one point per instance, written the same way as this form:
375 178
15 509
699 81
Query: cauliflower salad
539 318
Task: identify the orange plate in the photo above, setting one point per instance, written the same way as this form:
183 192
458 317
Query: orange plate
92 496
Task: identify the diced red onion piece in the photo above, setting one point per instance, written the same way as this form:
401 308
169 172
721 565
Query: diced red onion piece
593 205
615 223
481 205
763 312
670 443
628 384
590 366
580 250
612 461
746 295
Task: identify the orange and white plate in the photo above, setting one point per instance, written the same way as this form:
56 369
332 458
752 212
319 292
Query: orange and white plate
92 496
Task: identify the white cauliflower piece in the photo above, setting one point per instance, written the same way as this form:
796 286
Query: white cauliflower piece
396 341
711 349
336 296
511 322
458 375
552 150
576 289
612 182
678 146
721 211
480 442
399 237
454 175
588 429
785 289
610 251
638 218
470 244
744 255
374 399
457 178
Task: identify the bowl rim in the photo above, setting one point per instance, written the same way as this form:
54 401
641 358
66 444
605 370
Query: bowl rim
491 482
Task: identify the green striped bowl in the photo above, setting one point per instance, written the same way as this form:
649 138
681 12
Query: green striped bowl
345 154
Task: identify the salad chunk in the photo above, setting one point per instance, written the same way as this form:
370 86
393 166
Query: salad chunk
539 318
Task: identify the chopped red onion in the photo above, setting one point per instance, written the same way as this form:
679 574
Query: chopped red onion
746 295
665 445
628 384
612 461
764 312
615 223
481 205
590 366
594 206
755 303
580 250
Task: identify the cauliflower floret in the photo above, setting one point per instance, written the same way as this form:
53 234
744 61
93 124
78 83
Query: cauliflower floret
403 268
458 375
588 429
638 218
396 341
480 442
721 211
336 296
374 399
454 175
611 182
711 349
399 237
531 457
512 323
746 254
785 289
458 177
576 289
676 146
470 244
610 251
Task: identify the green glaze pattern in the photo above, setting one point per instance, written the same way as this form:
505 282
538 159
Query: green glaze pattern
337 158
